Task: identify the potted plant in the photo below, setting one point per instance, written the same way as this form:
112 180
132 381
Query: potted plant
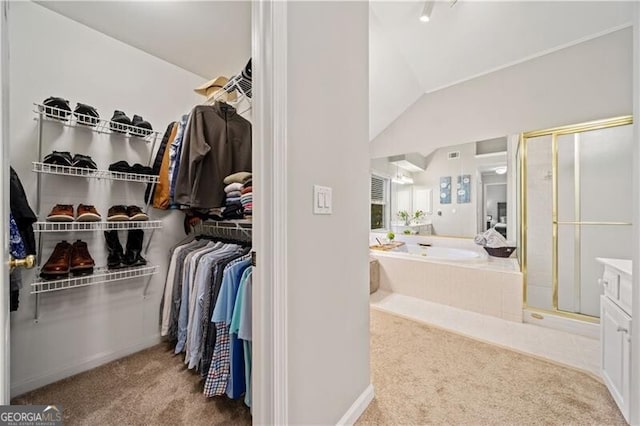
404 216
418 215
390 236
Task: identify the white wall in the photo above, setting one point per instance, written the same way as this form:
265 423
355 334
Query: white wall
393 85
54 56
588 81
328 310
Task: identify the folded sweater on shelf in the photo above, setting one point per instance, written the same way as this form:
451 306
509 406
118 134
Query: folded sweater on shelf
247 189
239 177
233 187
234 194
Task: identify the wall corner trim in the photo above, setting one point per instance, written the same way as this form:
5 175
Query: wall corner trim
357 408
270 224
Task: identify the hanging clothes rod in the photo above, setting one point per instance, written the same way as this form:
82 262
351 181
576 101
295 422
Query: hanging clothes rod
223 229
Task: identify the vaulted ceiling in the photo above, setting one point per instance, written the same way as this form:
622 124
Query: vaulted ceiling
410 58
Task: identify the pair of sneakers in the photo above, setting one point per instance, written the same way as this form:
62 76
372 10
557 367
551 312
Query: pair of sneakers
64 213
64 158
124 167
120 123
59 109
120 213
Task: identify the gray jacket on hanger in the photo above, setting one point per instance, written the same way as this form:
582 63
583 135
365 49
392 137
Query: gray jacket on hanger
216 144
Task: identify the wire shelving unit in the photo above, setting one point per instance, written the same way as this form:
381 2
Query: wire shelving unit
54 169
80 122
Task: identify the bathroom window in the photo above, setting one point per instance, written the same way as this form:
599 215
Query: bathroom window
379 202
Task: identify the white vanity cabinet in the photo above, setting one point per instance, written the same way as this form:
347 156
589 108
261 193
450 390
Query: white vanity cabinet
615 329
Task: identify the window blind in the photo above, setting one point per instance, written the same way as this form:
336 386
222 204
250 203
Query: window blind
377 190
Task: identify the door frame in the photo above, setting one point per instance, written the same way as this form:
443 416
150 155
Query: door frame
269 112
5 323
635 329
484 199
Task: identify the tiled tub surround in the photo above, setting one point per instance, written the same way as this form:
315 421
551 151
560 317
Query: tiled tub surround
492 286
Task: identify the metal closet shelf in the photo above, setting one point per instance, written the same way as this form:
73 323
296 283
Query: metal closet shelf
98 125
53 169
100 276
95 226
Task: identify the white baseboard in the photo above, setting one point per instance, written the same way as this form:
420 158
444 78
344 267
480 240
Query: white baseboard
355 411
37 382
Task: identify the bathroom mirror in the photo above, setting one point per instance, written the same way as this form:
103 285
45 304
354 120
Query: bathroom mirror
455 191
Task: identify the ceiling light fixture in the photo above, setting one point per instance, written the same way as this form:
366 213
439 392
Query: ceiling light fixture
501 170
425 16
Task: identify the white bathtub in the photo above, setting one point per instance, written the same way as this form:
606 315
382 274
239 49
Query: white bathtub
463 278
447 254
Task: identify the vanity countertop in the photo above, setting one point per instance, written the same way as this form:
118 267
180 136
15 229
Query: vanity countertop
622 265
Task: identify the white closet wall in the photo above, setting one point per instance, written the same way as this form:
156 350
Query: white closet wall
54 56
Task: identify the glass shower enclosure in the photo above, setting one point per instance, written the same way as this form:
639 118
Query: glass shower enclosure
575 206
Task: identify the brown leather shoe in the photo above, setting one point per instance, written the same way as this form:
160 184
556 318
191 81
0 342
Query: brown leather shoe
81 261
117 213
87 213
61 213
136 213
59 263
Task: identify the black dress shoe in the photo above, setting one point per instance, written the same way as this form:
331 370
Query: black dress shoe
84 161
59 158
120 122
120 166
58 108
86 114
140 127
141 170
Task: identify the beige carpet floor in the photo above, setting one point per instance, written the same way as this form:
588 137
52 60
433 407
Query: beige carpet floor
151 387
421 374
425 375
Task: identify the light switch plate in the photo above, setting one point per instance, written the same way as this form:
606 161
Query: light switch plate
322 200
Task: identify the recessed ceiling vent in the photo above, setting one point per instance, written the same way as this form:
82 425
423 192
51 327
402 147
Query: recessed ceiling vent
453 155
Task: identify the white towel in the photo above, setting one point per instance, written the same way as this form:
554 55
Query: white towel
494 239
480 240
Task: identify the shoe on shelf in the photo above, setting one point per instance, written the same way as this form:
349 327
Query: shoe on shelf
59 263
86 114
120 122
61 213
136 213
140 127
81 261
141 170
59 108
132 256
120 166
117 213
84 162
87 213
115 259
59 158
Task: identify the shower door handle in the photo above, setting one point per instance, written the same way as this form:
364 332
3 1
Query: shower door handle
602 282
622 329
